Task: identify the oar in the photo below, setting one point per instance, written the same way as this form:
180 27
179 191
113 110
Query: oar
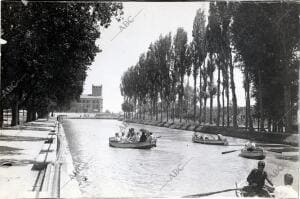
210 193
224 152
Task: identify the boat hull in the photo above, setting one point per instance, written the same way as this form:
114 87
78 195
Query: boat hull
211 142
139 145
244 193
255 154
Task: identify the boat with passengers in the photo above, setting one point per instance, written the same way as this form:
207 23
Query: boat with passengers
138 145
133 140
251 151
220 140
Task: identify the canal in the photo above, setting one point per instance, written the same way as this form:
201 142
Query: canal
104 171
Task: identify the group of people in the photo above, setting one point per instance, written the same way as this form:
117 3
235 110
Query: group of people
134 137
257 178
219 137
250 146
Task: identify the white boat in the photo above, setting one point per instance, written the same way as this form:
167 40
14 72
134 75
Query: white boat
205 140
256 153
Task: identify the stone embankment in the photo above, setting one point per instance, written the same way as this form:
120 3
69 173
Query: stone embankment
35 162
278 138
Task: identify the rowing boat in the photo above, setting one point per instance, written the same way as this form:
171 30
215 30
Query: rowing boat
246 191
137 145
200 140
256 153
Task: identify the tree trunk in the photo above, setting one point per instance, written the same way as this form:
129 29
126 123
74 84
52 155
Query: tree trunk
14 114
195 97
261 113
151 110
161 110
167 111
287 84
218 96
210 108
173 111
227 94
200 97
234 101
269 125
223 106
1 114
156 107
33 115
181 99
29 115
227 107
246 111
204 110
248 106
288 109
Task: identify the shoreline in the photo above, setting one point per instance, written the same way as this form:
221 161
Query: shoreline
35 161
68 185
277 138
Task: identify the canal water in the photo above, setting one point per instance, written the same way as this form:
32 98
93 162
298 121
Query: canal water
176 167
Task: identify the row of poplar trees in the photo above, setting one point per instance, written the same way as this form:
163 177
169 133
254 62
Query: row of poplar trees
261 39
49 48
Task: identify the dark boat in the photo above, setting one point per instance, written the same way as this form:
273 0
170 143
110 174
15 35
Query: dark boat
138 145
245 192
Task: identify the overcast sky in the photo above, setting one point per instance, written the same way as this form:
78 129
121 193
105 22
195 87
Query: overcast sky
120 50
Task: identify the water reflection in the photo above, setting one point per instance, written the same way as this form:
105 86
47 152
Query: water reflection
113 172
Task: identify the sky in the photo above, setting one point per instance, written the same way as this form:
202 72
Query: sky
121 47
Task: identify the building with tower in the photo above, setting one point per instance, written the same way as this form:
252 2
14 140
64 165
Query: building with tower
91 103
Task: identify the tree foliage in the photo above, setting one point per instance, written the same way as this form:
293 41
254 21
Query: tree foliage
52 45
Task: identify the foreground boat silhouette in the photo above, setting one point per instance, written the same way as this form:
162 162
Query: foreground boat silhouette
244 192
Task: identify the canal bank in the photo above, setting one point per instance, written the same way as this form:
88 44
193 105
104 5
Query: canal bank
34 161
67 183
278 138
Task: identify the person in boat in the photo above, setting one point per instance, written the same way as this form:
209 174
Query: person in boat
143 137
287 190
220 137
147 134
250 146
123 138
130 133
256 180
138 136
150 137
134 138
117 137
